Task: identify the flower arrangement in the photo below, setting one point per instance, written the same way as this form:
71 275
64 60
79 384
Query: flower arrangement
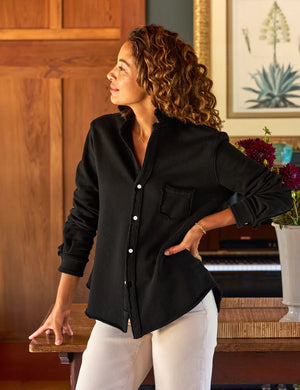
263 152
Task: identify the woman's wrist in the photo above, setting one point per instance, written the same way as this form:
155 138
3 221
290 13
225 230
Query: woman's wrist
62 305
201 227
216 220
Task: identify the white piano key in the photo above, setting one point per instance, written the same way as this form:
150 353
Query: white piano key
243 267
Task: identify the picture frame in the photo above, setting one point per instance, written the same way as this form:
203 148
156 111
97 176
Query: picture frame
202 31
263 58
210 44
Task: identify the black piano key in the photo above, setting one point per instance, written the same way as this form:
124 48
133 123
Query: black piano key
241 258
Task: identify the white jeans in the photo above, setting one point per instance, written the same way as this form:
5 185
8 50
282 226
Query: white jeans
181 354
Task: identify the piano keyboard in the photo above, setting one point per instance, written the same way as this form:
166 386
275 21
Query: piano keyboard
224 261
243 267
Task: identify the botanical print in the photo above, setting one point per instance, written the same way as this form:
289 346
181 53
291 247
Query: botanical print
265 56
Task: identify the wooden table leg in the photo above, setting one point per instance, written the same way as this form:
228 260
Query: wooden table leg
74 359
75 367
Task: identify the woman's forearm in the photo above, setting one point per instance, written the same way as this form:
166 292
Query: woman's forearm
66 290
193 236
217 220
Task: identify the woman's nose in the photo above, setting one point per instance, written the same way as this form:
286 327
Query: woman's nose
110 76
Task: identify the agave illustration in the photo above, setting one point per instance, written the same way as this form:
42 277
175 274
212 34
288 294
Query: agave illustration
275 29
274 87
277 85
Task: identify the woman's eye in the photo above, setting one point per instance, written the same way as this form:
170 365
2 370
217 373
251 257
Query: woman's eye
121 68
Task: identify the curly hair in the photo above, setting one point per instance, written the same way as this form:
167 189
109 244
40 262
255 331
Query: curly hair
169 71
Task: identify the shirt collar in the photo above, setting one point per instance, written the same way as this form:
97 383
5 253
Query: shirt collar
160 115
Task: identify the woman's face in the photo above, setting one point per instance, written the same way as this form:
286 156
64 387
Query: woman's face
123 88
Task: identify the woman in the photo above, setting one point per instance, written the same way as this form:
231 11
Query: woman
152 181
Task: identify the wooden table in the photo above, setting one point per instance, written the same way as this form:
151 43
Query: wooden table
253 346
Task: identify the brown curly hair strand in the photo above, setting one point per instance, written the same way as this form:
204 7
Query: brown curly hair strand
169 71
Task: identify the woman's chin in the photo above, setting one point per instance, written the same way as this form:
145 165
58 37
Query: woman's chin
114 100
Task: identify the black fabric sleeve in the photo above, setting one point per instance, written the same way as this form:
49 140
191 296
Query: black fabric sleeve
264 194
81 225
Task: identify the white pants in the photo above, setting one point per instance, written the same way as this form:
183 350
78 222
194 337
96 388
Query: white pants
181 354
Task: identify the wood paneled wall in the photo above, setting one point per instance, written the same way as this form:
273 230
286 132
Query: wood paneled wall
54 57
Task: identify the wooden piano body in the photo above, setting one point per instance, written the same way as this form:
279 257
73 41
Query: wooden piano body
244 262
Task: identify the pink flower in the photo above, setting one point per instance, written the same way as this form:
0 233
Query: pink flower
290 175
259 150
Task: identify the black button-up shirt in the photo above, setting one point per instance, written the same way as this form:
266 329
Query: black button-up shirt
188 172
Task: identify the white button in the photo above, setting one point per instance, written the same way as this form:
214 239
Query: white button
125 282
135 217
130 250
139 186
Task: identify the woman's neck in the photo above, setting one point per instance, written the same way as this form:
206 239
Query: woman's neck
144 119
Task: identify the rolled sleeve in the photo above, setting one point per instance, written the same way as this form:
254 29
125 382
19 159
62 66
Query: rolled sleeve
264 195
81 225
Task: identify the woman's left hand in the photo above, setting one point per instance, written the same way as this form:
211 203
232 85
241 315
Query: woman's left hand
190 242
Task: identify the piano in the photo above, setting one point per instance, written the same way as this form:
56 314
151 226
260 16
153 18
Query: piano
245 267
225 261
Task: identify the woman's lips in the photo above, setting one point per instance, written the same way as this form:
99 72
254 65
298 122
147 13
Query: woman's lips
112 89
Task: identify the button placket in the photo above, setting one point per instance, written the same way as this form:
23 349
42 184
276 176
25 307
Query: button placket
141 178
135 215
131 257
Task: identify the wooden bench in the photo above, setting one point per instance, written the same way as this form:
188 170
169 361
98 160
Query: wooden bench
253 346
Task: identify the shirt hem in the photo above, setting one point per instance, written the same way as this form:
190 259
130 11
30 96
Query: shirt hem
178 316
98 318
143 333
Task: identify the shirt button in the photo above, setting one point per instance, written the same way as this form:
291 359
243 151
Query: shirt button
139 186
125 282
135 217
130 250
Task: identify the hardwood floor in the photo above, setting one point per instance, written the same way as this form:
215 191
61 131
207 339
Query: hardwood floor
35 385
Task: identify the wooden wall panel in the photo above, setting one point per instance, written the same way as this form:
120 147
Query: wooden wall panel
24 14
52 84
57 59
133 15
84 100
92 13
28 260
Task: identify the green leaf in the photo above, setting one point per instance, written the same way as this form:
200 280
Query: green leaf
257 81
295 88
292 95
251 89
272 78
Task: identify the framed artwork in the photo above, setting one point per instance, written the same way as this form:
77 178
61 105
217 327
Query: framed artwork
263 58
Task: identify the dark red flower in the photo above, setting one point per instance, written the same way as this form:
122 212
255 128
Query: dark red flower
259 150
290 175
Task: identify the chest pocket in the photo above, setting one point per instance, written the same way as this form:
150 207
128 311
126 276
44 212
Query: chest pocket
176 202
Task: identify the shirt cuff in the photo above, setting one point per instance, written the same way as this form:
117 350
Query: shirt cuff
242 213
71 265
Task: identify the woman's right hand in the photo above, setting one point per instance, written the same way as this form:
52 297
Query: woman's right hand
58 319
58 323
